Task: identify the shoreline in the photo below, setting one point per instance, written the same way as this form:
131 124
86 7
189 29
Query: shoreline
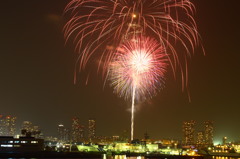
49 154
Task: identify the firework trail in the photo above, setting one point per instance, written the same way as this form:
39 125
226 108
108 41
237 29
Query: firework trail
138 70
96 25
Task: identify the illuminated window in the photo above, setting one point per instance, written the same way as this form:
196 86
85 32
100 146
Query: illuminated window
16 141
10 142
7 145
23 142
34 142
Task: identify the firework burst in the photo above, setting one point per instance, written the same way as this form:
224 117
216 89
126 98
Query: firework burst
141 64
94 25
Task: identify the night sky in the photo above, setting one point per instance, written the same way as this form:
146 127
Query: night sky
37 71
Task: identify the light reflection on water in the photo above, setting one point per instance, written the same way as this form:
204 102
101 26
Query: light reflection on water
122 157
217 157
142 157
20 158
135 157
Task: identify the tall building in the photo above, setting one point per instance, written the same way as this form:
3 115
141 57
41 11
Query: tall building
224 141
77 130
188 132
200 138
27 126
146 136
91 129
63 133
7 125
28 129
208 132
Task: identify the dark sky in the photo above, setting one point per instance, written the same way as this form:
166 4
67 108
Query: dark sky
37 70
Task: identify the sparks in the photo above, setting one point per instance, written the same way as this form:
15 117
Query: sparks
96 25
141 62
138 70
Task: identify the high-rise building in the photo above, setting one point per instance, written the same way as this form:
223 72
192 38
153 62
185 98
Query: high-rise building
200 138
91 129
188 132
208 132
7 125
28 126
77 130
60 131
224 141
63 133
28 129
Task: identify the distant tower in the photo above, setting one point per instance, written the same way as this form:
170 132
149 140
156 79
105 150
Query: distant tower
77 130
188 132
224 141
2 125
91 129
81 131
146 136
28 129
208 132
66 135
36 131
61 132
200 138
7 125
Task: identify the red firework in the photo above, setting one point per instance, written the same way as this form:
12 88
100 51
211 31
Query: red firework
139 64
96 25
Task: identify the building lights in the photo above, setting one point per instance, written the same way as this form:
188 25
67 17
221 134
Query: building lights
8 145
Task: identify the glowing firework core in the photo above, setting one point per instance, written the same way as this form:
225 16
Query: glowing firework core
141 63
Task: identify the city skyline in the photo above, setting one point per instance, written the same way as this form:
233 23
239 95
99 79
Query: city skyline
193 133
37 76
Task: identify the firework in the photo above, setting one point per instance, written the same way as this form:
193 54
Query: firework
112 33
94 25
138 62
137 70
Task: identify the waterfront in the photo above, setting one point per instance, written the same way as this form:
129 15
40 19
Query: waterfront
137 157
142 157
134 157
